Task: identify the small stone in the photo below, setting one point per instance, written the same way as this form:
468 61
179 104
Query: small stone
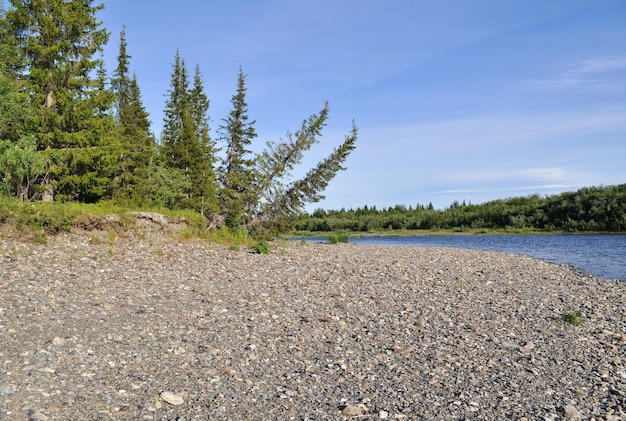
401 351
571 413
528 347
383 415
38 416
352 410
58 341
229 372
172 398
6 390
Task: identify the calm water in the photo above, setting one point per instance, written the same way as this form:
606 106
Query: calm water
603 256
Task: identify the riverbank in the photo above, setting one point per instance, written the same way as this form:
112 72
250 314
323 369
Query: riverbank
154 328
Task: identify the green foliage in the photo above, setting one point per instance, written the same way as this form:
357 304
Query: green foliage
283 201
134 146
15 115
56 217
338 238
261 248
93 141
203 176
599 209
21 167
258 192
237 198
230 236
573 317
55 42
48 217
186 143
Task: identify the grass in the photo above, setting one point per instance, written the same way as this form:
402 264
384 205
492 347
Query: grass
573 317
36 220
338 238
261 248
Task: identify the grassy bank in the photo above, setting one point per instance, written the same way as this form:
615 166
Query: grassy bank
36 221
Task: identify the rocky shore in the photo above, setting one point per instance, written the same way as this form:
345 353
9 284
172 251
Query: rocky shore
97 328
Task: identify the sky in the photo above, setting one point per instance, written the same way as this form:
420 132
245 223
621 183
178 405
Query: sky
468 100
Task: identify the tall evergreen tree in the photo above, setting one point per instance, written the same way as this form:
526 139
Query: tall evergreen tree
186 143
203 177
257 191
10 60
175 109
280 201
56 41
135 145
121 79
237 198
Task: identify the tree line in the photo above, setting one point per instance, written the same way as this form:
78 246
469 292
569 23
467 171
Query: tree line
599 209
69 131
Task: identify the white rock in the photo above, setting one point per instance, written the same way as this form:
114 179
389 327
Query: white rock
352 410
172 398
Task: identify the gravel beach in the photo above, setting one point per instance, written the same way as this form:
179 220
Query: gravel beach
154 328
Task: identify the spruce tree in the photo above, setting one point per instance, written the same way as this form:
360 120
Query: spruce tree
237 197
257 192
175 109
135 145
56 41
281 201
203 177
187 147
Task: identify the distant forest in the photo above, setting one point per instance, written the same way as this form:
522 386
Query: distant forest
590 209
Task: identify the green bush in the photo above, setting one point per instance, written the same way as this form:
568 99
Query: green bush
573 317
338 238
261 248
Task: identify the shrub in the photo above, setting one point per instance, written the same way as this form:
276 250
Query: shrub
338 238
573 317
261 248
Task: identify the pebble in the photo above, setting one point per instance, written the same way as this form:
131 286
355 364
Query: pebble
58 341
571 413
158 328
6 390
172 398
352 410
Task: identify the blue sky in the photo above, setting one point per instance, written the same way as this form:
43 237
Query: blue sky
455 100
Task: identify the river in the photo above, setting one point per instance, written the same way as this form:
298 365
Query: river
603 256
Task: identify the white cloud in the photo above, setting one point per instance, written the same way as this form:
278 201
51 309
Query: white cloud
591 74
543 174
479 134
601 65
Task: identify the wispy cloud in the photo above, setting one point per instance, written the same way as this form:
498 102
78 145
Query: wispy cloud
479 135
543 174
531 188
591 74
602 65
